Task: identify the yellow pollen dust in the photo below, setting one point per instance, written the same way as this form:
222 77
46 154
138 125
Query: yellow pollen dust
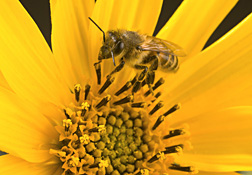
85 139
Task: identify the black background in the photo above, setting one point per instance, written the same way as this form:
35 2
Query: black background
40 11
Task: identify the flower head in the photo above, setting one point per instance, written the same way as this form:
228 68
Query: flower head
62 115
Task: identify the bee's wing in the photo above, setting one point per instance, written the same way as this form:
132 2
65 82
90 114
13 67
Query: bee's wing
159 45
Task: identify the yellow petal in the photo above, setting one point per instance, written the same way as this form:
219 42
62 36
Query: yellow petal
125 14
3 82
26 60
12 165
217 78
24 131
193 23
221 140
69 38
203 173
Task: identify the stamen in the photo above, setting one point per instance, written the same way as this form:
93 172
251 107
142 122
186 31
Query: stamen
137 86
156 96
98 72
73 161
85 139
162 117
181 168
68 112
67 123
138 105
84 106
158 122
104 101
106 84
156 85
144 171
124 88
134 79
77 89
103 164
150 77
124 100
142 75
157 156
173 109
95 165
143 83
173 149
117 69
157 107
173 133
100 129
169 150
58 153
87 90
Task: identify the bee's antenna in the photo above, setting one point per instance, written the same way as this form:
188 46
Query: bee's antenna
98 28
112 54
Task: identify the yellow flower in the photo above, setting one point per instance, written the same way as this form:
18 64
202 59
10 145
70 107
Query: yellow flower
56 119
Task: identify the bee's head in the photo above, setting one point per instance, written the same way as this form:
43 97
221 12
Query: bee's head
112 46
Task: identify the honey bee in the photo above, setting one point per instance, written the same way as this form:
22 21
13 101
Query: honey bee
140 51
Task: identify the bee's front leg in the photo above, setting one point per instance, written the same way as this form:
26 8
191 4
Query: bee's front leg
140 78
97 66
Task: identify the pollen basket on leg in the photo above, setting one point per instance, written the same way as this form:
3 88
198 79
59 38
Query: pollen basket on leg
115 131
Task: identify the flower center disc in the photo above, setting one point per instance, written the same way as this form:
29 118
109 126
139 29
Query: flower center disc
112 134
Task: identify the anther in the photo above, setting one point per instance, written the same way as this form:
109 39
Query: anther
106 84
73 161
117 69
144 171
95 165
157 107
159 155
98 72
103 164
85 139
173 109
156 96
100 129
138 105
162 117
87 90
104 101
150 77
182 168
77 89
84 107
174 133
173 149
134 79
142 74
143 83
156 85
128 98
67 113
67 123
137 86
124 88
158 122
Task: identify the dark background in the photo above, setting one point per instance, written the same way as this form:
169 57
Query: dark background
40 12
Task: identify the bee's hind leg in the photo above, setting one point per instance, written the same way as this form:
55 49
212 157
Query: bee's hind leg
150 77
